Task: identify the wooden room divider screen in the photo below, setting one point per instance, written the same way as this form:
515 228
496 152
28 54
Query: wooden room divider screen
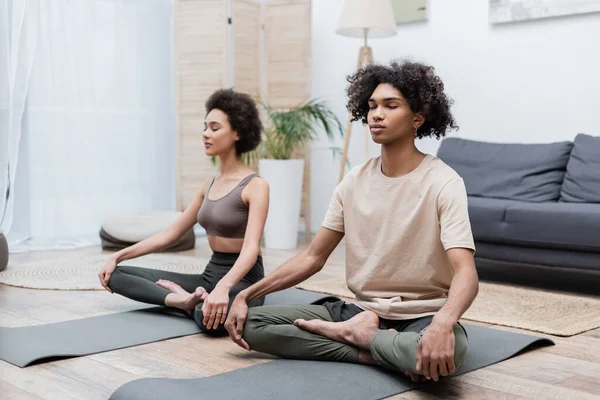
262 48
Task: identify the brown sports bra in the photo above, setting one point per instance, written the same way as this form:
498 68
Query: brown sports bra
228 216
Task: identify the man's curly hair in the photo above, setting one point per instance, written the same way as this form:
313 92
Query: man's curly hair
419 85
243 117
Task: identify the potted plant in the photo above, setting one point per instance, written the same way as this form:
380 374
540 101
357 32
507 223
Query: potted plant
286 132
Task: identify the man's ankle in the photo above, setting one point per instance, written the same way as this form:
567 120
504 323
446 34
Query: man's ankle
347 334
365 357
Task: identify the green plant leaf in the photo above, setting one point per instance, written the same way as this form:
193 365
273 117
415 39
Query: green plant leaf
295 127
291 128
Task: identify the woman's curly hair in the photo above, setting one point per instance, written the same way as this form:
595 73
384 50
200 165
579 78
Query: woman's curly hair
419 85
243 117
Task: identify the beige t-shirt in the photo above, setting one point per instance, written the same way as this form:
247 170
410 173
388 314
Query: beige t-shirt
396 233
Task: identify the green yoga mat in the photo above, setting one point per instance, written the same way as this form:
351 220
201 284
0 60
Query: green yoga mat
317 380
25 345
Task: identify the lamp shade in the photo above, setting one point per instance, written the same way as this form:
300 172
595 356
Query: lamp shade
377 16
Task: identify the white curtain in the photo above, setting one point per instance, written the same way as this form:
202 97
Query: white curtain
18 40
97 132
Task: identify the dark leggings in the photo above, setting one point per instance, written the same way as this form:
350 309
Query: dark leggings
140 283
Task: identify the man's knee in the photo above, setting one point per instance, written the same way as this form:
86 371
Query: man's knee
399 350
254 328
460 346
396 350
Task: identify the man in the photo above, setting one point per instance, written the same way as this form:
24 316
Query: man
409 246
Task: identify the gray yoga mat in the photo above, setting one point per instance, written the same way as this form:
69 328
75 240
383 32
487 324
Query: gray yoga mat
317 380
25 345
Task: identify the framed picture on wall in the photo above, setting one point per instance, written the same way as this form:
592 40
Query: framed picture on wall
504 11
406 11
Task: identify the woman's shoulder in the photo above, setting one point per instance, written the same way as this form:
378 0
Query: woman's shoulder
206 184
257 182
256 186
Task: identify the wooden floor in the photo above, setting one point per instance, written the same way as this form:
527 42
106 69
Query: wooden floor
569 370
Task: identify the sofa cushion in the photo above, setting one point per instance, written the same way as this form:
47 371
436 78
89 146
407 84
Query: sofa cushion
526 172
571 226
562 258
582 179
487 217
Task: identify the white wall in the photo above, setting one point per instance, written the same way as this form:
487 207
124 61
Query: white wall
534 81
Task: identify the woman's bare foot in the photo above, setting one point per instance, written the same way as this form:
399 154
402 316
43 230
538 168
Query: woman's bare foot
358 331
175 288
186 301
171 286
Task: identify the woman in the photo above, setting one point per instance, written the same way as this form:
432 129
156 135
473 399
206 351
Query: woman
232 207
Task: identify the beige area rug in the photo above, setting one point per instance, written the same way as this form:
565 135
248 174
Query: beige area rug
80 272
550 312
554 313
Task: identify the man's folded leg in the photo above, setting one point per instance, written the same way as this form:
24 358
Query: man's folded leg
398 350
271 330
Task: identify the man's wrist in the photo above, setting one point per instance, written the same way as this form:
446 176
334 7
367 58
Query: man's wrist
243 296
444 320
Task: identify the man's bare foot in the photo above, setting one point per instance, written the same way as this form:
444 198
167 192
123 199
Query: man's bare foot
186 301
357 331
365 358
415 377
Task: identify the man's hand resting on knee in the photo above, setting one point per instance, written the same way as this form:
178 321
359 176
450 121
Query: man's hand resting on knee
295 270
437 346
236 320
436 350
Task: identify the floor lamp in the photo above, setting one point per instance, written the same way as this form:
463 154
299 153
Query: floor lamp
364 19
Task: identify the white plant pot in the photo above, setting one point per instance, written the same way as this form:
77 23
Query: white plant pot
285 188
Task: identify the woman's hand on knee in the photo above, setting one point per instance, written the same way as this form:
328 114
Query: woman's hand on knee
214 308
106 271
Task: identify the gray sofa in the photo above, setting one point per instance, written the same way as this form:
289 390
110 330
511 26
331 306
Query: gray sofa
533 207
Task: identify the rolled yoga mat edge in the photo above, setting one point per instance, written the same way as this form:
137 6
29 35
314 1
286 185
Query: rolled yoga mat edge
320 380
23 346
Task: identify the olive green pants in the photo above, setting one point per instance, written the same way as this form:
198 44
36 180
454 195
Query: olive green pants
270 329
